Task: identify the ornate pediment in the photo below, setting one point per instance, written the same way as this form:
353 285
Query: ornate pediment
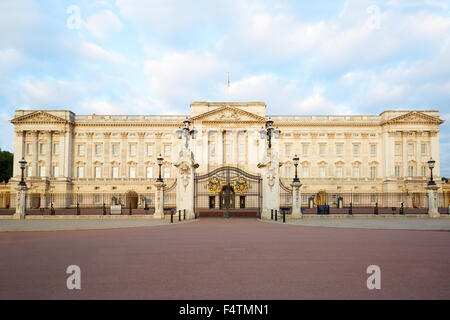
38 117
229 114
414 117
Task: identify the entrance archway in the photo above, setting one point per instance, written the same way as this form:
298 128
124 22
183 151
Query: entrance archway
132 199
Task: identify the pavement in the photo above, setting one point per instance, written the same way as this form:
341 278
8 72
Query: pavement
411 223
216 258
77 224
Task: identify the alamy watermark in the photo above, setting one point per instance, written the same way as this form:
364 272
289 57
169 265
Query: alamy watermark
374 280
74 280
74 20
374 19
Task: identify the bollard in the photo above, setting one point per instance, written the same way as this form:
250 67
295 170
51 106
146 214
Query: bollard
171 216
52 210
402 210
130 210
276 215
375 211
179 215
184 214
271 214
284 216
78 209
350 210
104 209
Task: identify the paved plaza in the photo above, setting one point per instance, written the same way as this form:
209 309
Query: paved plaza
216 258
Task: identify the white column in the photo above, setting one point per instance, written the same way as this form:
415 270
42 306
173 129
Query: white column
235 149
296 200
19 152
68 154
21 202
404 155
48 161
220 147
159 201
35 145
418 154
205 147
432 201
434 145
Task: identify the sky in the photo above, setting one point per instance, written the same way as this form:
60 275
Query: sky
158 56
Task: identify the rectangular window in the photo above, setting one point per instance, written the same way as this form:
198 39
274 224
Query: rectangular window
42 148
410 148
97 172
28 148
167 150
98 149
373 149
410 171
305 149
424 171
322 149
288 150
373 172
322 172
80 150
212 149
397 171
423 148
166 173
339 148
55 171
356 172
115 172
149 150
42 171
149 172
115 149
227 149
29 171
339 172
132 149
287 172
132 172
56 148
397 149
80 172
356 149
242 149
305 172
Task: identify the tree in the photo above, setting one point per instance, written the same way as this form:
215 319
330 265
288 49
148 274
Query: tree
445 179
6 165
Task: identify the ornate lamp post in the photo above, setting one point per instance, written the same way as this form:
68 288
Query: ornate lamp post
22 163
269 132
159 160
431 163
186 132
296 160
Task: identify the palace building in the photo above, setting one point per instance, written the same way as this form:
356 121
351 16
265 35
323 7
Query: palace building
381 153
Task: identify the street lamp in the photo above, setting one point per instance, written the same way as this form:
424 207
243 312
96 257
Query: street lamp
159 160
269 132
22 164
186 132
296 160
431 163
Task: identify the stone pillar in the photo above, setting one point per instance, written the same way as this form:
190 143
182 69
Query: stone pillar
21 202
269 166
220 148
106 155
49 172
432 201
186 166
123 155
141 150
19 152
296 200
35 144
404 155
159 200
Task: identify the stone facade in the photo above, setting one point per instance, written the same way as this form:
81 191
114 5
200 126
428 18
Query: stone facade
104 153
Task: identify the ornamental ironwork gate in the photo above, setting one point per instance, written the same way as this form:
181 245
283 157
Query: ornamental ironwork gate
228 189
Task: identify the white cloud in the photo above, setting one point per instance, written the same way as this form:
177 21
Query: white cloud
96 52
103 25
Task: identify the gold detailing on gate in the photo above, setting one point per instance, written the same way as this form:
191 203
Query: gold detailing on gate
214 186
241 186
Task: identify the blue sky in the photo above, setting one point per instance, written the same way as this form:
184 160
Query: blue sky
157 56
